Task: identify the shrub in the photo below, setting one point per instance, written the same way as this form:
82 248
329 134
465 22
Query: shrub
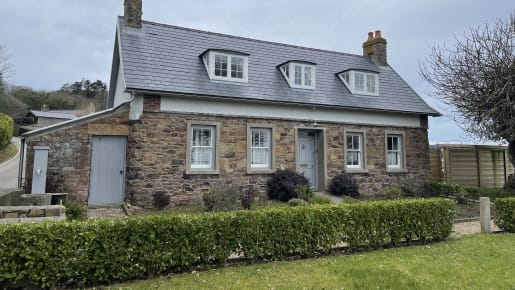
463 192
77 254
248 196
317 199
305 192
161 199
74 210
283 184
393 192
344 184
297 202
6 130
505 213
222 197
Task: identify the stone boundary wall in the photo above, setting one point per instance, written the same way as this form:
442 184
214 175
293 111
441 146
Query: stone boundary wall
14 214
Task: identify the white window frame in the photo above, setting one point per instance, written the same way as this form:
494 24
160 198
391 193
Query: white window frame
350 77
212 167
362 166
270 165
210 147
359 150
400 151
267 133
209 63
289 73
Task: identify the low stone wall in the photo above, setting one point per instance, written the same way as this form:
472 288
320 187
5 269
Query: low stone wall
14 214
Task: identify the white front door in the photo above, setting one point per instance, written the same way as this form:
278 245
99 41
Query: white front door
307 162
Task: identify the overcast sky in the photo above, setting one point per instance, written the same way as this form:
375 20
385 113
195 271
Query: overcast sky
53 42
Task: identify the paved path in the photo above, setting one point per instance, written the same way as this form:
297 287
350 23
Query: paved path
471 227
9 171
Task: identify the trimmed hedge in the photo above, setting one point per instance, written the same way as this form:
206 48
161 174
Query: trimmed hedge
80 253
505 214
435 188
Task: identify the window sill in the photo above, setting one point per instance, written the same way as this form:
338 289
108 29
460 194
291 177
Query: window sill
356 170
259 171
396 170
200 171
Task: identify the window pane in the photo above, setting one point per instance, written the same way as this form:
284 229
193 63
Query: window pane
307 76
259 156
205 138
220 65
359 81
393 158
353 158
298 75
371 83
355 142
349 141
201 156
237 67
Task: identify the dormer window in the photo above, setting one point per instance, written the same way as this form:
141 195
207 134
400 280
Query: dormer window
361 82
226 65
299 75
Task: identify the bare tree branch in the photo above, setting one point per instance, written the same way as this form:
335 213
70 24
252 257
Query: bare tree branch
477 78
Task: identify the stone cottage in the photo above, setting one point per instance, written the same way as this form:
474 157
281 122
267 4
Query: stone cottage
189 109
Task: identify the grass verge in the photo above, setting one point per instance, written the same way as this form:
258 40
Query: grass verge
468 262
8 152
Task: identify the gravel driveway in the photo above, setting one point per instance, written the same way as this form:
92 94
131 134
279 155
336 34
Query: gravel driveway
470 228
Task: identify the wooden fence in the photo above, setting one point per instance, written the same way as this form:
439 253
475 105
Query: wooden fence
476 165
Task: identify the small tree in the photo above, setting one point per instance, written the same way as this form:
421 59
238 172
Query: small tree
6 130
477 78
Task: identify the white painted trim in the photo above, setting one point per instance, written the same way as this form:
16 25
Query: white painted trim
350 85
291 78
120 95
209 63
285 112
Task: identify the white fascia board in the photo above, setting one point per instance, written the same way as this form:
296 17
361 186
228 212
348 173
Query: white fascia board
285 111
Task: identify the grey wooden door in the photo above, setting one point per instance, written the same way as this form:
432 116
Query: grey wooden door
107 173
40 169
307 156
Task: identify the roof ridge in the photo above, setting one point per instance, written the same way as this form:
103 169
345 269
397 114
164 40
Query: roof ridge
248 38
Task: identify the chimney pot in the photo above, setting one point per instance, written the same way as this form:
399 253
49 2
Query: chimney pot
132 12
375 48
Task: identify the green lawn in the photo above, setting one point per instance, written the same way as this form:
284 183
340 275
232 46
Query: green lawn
467 262
8 152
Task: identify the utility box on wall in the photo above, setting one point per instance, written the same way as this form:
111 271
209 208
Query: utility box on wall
40 169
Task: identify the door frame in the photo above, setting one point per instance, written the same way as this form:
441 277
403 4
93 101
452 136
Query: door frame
320 152
124 170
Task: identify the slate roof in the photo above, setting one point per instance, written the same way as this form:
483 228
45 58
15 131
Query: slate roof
165 59
56 114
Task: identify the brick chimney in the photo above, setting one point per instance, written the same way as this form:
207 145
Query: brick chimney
375 48
132 12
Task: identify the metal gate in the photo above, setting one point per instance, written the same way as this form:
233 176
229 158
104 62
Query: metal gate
107 174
